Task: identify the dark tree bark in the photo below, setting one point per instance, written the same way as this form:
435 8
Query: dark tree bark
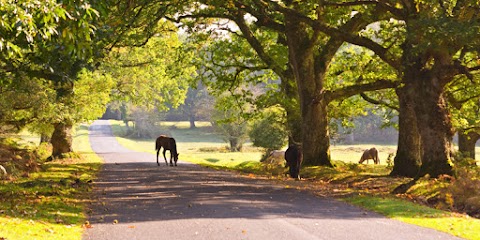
433 117
292 109
61 139
62 134
408 157
466 143
316 141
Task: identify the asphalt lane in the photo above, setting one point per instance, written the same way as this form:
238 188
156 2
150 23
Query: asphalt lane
136 199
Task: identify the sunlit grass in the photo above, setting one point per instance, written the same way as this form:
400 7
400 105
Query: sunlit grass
50 204
352 153
458 225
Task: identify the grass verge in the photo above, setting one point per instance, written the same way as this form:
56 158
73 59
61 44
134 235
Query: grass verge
405 211
50 203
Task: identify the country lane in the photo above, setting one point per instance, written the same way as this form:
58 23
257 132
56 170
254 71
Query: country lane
136 199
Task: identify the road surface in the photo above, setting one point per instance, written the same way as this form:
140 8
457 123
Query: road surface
136 199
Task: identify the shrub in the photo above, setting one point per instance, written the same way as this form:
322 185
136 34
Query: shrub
269 131
465 190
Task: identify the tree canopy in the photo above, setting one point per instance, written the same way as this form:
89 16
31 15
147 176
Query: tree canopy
419 58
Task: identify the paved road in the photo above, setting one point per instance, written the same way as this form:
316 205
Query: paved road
191 202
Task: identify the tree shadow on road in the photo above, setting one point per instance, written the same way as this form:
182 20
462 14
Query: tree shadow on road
132 192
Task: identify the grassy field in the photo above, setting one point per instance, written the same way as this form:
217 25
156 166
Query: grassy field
348 180
49 204
203 145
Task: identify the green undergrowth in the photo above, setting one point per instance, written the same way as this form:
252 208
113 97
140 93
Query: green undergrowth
49 203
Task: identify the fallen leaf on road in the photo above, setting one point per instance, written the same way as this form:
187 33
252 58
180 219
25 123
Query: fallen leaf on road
115 221
131 226
87 224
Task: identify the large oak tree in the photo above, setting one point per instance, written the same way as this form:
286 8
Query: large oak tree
437 35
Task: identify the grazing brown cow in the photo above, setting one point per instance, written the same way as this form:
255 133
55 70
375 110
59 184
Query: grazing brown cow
294 158
371 153
167 143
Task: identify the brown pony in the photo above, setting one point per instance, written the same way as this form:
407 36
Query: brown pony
371 153
167 143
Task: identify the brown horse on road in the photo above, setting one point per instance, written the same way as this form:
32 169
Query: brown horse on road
167 143
371 153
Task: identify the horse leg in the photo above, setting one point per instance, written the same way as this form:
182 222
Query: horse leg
158 151
165 150
171 159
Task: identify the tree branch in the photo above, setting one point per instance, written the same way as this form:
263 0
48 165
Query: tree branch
378 49
349 91
382 4
378 102
257 46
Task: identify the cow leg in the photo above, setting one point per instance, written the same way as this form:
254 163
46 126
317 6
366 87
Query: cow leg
165 150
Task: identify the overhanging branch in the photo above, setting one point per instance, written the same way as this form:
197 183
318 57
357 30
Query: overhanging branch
378 102
349 91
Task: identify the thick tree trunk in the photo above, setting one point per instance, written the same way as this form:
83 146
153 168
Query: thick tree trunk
316 142
433 121
61 139
292 109
408 158
466 143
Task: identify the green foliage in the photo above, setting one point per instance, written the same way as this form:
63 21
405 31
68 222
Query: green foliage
231 65
355 65
268 131
26 23
465 107
23 100
145 123
155 75
230 120
91 95
53 44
